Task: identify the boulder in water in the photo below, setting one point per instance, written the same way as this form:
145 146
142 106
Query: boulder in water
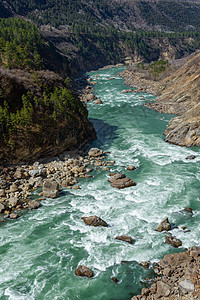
123 183
164 225
131 168
116 177
98 101
125 238
13 216
115 280
191 157
173 241
94 221
83 272
145 264
188 210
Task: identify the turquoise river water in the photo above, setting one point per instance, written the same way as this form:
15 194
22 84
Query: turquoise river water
40 251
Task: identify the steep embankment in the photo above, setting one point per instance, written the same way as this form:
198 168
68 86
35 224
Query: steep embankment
180 95
40 114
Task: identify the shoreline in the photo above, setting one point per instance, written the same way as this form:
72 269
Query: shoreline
19 182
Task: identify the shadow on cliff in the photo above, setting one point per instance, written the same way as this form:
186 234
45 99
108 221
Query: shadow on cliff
105 133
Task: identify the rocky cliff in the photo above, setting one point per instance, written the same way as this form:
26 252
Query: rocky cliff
180 95
39 116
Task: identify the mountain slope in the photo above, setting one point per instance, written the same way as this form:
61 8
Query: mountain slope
180 95
145 14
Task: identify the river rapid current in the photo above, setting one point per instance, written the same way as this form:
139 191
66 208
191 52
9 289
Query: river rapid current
40 251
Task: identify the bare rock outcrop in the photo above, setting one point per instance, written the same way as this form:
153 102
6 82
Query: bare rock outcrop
180 95
180 277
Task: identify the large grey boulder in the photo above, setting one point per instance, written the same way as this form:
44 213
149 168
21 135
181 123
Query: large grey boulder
164 225
50 189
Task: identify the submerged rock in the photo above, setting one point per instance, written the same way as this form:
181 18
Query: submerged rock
94 221
50 189
173 241
83 272
164 225
123 183
188 210
115 280
125 238
191 157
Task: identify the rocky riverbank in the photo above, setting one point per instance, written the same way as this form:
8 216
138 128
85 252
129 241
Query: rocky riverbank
178 94
178 277
20 184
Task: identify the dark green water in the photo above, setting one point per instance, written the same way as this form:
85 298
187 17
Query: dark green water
40 251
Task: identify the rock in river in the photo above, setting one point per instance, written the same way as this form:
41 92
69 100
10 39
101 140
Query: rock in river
173 241
125 238
95 152
13 216
164 225
83 271
123 183
34 204
50 189
116 177
94 221
131 168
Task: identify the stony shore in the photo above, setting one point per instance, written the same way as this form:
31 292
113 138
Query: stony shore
17 183
178 277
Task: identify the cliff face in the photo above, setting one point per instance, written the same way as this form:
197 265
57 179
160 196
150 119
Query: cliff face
43 116
180 95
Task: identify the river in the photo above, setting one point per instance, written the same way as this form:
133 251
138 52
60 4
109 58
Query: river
40 251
